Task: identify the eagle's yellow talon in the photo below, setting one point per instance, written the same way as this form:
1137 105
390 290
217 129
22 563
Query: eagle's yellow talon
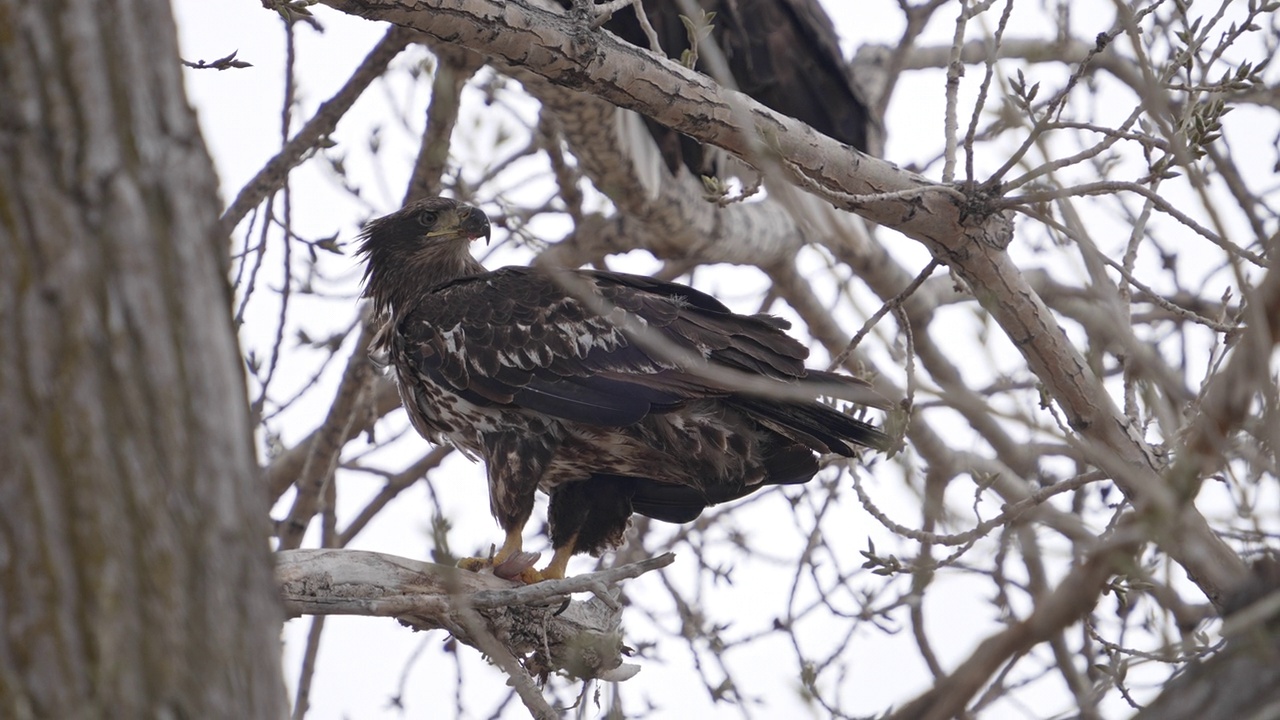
555 570
519 566
475 564
530 576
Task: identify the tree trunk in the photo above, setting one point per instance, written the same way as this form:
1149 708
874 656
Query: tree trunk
135 575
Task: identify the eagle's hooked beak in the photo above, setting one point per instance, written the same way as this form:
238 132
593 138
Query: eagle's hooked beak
475 224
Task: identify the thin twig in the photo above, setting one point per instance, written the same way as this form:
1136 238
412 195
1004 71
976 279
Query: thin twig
273 174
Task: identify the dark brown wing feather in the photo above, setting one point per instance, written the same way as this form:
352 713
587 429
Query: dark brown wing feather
514 337
783 53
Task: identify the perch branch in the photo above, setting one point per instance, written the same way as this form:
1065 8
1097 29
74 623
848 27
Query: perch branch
537 624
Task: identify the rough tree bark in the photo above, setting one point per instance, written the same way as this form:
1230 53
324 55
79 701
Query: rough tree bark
135 578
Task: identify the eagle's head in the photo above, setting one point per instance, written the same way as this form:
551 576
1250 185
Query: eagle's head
421 245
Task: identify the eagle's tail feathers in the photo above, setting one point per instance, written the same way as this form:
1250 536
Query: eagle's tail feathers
820 427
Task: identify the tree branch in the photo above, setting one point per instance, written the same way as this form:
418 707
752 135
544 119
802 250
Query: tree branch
519 35
1074 597
323 446
538 623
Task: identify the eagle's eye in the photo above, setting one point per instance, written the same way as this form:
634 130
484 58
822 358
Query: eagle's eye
427 218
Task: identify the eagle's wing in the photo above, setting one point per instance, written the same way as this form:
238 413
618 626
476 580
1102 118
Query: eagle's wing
783 53
786 54
516 337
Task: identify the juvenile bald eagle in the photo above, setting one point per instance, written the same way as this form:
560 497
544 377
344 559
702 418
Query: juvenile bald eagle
613 393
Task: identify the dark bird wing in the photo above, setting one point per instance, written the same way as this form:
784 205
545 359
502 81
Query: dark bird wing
516 337
783 53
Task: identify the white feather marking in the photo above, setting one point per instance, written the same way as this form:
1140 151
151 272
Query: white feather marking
454 338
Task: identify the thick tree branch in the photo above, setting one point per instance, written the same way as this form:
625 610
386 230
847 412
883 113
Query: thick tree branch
1243 680
538 623
519 35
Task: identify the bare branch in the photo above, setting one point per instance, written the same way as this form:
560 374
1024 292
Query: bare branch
1076 595
536 623
272 175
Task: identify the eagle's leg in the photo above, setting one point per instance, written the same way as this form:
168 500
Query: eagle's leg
512 518
512 548
587 516
512 545
515 465
559 561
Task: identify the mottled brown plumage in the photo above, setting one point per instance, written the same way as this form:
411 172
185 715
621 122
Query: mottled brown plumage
613 393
